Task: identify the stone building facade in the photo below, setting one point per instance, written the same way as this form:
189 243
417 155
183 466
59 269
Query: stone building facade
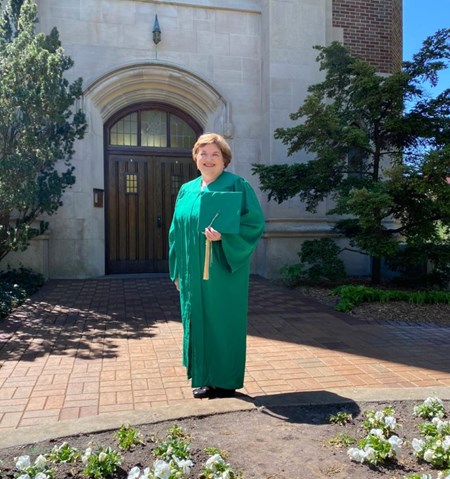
237 67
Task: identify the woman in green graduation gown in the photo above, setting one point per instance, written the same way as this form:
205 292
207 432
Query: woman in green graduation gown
213 294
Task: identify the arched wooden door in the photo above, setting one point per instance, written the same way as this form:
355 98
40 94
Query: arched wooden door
148 158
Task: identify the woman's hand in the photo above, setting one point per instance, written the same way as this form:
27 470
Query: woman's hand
176 284
212 234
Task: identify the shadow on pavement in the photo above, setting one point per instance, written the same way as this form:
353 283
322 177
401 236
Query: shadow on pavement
86 318
311 407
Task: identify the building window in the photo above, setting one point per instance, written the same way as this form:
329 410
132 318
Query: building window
181 134
152 128
356 162
124 132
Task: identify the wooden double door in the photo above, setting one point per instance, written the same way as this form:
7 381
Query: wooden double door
140 198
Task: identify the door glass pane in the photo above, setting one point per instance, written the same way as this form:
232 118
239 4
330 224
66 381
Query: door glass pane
131 183
154 128
124 132
181 134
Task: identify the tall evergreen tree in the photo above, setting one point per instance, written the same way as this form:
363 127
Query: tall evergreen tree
380 146
38 124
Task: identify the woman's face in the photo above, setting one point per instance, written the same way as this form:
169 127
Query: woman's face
210 162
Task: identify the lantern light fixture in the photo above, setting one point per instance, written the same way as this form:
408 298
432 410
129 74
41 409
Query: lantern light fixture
156 31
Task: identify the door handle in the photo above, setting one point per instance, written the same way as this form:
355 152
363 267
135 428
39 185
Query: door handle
159 222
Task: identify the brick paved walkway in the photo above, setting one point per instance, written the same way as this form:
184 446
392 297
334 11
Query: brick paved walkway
92 347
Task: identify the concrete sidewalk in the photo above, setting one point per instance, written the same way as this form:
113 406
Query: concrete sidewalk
93 354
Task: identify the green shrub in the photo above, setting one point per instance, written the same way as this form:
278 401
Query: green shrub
341 418
128 437
411 263
292 274
352 296
321 258
319 262
341 440
28 280
16 286
64 453
101 463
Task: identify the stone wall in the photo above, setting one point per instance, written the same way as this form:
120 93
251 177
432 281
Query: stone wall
237 67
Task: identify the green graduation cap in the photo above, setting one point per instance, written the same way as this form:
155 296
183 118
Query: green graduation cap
221 210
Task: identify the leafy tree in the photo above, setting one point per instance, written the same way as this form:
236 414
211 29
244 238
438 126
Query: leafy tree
380 147
38 126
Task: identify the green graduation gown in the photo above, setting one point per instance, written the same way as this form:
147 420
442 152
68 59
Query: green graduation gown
214 311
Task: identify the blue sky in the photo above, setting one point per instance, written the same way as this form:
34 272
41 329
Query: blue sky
422 18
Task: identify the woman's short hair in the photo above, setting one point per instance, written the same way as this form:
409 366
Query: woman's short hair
210 138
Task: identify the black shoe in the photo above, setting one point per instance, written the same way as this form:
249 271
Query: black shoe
223 393
202 393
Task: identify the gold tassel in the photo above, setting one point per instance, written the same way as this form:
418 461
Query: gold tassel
208 245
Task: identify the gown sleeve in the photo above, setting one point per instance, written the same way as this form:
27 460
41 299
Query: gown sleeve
173 267
238 248
173 263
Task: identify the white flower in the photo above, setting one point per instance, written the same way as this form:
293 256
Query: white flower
437 405
433 401
417 445
40 462
428 455
102 456
41 475
441 425
146 473
356 454
379 415
369 453
24 476
185 465
446 443
226 474
162 469
213 460
441 475
23 462
134 473
438 422
390 422
396 443
87 454
377 433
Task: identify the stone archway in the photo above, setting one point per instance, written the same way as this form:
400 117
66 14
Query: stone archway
165 83
131 246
